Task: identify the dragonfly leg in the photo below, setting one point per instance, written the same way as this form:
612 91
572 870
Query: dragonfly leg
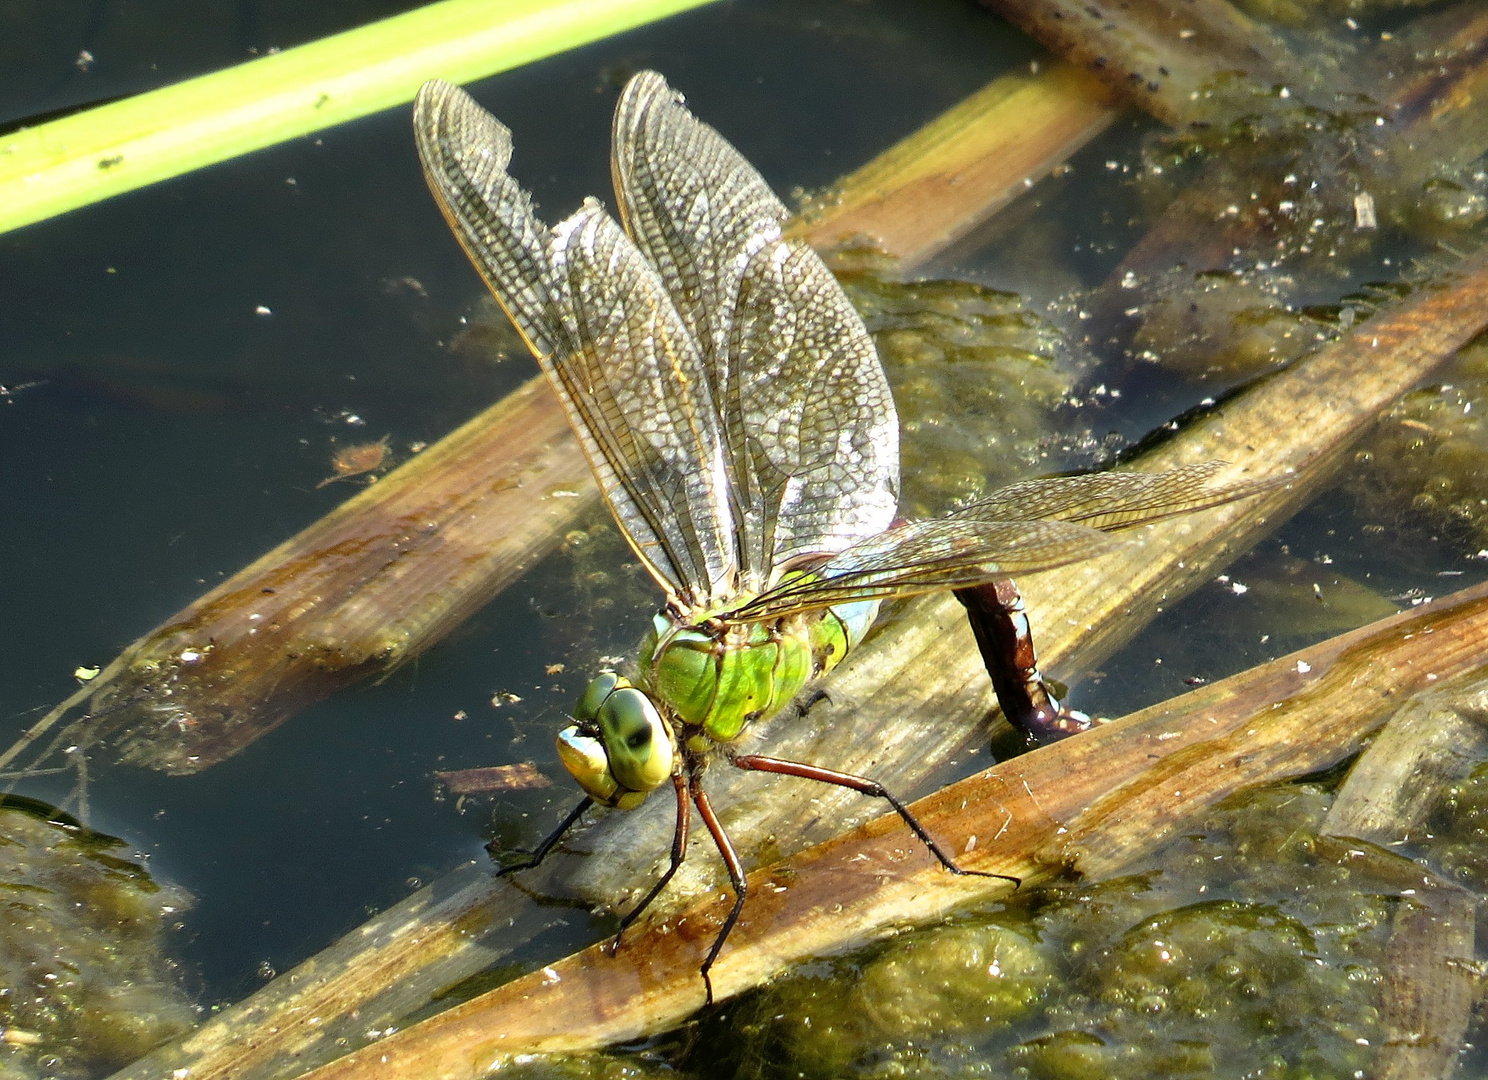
541 851
1000 624
735 872
758 763
679 852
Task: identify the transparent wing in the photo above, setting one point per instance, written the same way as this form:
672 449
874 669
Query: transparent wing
812 409
810 433
693 205
465 151
614 348
636 382
1034 525
925 556
1114 500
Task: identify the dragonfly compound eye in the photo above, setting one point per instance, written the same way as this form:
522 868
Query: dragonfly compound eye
600 687
637 739
584 756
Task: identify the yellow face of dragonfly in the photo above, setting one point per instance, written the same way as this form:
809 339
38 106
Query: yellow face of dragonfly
620 749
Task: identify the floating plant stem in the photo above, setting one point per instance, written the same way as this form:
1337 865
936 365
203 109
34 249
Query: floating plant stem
81 159
1431 982
1434 740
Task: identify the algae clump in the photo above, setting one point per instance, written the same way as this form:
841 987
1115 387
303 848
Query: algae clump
1239 950
84 985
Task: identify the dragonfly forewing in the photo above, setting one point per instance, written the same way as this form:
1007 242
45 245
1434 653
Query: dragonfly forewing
725 392
465 151
810 432
635 379
653 457
1116 500
813 408
693 205
927 556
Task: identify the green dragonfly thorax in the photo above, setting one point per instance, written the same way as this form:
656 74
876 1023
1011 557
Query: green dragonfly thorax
700 681
716 676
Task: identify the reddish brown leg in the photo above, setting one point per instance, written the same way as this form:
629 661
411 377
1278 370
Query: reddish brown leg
679 852
735 872
1000 624
757 763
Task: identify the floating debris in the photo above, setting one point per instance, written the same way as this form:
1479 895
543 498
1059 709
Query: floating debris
358 460
493 779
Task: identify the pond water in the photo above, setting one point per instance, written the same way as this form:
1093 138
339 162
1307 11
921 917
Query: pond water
184 362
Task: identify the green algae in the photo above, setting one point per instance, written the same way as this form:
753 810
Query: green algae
1458 831
905 1010
1222 324
977 377
84 985
1239 950
582 1067
1422 468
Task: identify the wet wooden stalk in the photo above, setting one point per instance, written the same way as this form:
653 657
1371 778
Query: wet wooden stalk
389 573
1431 981
1164 56
919 687
1091 804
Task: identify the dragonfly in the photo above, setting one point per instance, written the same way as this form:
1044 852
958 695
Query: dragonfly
741 429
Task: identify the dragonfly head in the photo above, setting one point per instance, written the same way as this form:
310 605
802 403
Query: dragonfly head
620 748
